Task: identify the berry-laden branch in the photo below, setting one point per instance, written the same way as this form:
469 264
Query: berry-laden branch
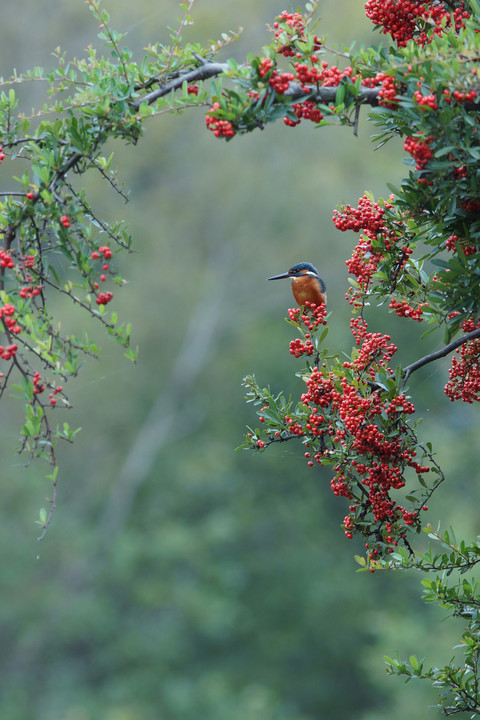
51 215
418 252
366 436
292 82
93 100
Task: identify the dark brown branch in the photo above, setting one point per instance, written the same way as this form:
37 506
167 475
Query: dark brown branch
204 72
327 95
368 96
409 369
284 438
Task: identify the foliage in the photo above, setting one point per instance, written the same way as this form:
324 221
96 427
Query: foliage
418 251
458 683
48 216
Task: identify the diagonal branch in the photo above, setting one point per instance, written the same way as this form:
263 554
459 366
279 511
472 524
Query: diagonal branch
409 369
203 72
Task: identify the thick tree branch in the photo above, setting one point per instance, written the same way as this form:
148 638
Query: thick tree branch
204 72
409 369
209 69
327 95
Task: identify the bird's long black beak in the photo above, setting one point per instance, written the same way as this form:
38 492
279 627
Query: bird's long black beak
280 277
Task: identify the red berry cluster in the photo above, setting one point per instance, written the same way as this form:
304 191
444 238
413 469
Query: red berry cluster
6 260
65 221
192 89
373 347
8 352
312 317
405 20
299 348
309 74
220 128
363 265
451 243
459 96
27 291
403 309
103 250
378 247
38 384
367 216
460 172
52 399
375 240
464 373
440 15
7 315
454 244
280 82
2 155
39 387
419 150
266 65
104 297
388 92
348 420
471 206
294 25
369 436
397 19
307 110
427 101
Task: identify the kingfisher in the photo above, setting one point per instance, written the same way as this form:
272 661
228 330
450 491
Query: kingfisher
307 285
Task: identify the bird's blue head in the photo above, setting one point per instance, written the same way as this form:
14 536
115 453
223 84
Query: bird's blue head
298 270
303 268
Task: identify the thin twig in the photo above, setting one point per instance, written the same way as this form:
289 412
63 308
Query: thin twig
178 35
357 117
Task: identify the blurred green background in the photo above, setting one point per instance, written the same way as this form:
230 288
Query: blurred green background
181 580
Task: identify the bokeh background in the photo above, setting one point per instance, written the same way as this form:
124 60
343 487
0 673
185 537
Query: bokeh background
180 579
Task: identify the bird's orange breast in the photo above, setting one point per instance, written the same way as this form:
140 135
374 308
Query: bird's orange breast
308 289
